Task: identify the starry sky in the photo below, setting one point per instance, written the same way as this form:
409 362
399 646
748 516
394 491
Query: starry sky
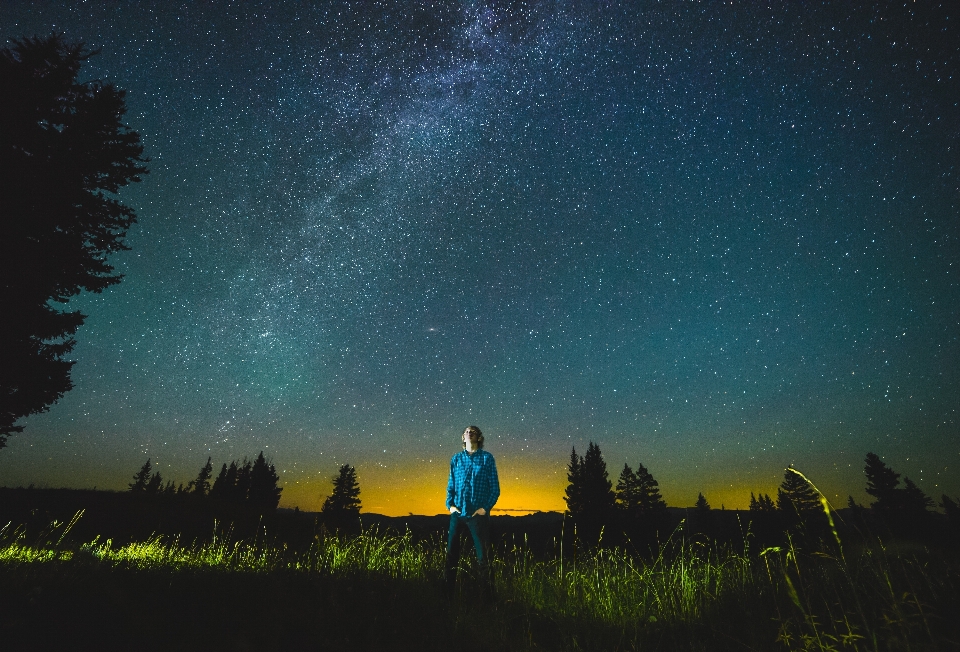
714 238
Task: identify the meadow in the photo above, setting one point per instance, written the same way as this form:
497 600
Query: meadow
378 590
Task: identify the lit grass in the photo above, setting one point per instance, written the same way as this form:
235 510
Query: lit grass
693 595
390 556
613 587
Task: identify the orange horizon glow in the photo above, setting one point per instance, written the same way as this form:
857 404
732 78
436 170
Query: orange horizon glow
525 487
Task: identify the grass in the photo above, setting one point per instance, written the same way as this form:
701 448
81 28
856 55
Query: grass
383 589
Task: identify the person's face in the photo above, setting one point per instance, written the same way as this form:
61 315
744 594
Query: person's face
470 440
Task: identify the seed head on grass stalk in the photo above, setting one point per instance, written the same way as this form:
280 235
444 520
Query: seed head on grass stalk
827 508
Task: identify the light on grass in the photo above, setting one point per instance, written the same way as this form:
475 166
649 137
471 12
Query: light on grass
817 599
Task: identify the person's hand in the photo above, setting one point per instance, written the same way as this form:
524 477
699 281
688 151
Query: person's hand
480 512
454 510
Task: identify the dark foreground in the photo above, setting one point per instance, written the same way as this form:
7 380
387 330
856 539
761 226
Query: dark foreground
284 582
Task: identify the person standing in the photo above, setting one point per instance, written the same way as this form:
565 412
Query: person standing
472 490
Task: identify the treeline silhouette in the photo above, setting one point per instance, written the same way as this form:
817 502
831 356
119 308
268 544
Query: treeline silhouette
633 512
245 486
253 484
242 501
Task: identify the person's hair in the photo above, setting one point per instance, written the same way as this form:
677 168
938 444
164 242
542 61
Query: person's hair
479 434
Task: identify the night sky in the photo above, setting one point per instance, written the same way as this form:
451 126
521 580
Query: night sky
716 239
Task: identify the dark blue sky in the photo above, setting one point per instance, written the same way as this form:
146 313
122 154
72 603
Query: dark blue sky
714 239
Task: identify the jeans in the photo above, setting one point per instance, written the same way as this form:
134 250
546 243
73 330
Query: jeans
479 528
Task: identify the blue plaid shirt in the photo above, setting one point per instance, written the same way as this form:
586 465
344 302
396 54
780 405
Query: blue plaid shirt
473 482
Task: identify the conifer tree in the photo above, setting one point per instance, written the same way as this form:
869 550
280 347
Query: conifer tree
344 502
651 502
64 154
628 495
265 487
882 483
141 478
241 487
596 490
762 504
201 486
573 494
766 504
913 498
795 495
219 489
156 482
702 504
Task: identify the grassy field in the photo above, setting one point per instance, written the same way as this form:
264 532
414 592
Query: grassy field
381 590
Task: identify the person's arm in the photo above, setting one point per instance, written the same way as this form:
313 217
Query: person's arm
451 491
492 482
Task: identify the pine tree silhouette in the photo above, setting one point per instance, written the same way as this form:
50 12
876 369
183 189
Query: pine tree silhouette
341 509
141 478
702 504
264 493
574 492
64 153
219 490
882 483
156 482
795 495
638 494
628 493
913 499
598 496
241 487
201 486
651 501
590 497
762 504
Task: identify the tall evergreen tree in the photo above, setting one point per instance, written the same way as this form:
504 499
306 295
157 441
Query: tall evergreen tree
574 492
796 499
265 487
651 502
241 486
201 486
762 504
64 154
344 502
596 492
913 498
219 490
628 493
141 478
882 483
702 503
155 484
639 502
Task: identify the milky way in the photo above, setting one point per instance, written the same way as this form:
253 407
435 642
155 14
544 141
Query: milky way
714 239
